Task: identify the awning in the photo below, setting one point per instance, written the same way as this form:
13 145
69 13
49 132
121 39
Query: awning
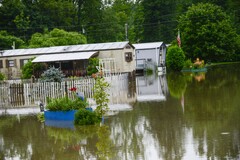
64 57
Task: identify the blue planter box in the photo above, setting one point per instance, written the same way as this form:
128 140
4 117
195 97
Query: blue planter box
60 115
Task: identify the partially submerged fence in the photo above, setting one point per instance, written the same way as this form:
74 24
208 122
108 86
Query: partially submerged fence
29 94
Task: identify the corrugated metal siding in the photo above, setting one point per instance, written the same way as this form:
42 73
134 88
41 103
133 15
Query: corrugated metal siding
64 57
65 49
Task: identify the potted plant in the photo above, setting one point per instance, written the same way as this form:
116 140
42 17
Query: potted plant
64 108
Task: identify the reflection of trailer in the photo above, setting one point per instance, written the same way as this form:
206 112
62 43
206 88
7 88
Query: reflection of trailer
151 88
143 64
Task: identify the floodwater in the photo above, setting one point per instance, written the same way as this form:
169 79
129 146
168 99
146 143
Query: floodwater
166 117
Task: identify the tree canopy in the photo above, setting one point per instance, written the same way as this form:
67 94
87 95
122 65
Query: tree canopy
7 41
56 37
120 20
207 33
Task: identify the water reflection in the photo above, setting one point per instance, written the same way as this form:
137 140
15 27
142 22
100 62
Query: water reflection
151 88
208 128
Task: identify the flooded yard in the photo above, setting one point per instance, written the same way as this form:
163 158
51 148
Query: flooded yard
173 116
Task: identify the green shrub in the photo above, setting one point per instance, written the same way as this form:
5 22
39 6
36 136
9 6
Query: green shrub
175 58
2 76
188 64
29 68
52 75
91 69
40 117
65 104
101 95
85 117
149 71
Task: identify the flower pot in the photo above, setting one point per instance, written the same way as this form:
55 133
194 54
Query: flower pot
60 115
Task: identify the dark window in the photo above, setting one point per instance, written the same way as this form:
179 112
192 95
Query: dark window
128 56
1 64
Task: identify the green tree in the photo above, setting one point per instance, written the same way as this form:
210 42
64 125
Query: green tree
22 22
91 12
175 58
207 33
56 37
92 66
29 68
2 76
159 20
9 9
101 95
7 40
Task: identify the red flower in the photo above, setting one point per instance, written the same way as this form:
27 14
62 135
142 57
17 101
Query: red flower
73 89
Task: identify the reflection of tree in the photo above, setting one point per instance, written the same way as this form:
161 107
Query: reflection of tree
71 136
152 130
104 144
213 109
177 84
6 122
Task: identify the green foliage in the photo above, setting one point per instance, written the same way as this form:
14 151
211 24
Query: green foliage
65 104
188 64
149 71
177 84
105 147
86 117
67 136
6 41
207 33
92 64
56 37
159 20
29 68
101 96
2 76
22 22
175 58
52 75
40 117
103 20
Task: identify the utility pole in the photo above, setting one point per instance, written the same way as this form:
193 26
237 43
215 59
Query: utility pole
13 46
126 31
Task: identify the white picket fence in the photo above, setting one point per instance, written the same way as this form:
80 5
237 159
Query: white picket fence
29 94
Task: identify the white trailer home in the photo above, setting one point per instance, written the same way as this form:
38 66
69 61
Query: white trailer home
150 55
115 57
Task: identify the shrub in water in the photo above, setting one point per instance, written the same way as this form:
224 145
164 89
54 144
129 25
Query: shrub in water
85 117
175 58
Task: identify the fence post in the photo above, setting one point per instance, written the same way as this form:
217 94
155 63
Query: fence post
66 90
